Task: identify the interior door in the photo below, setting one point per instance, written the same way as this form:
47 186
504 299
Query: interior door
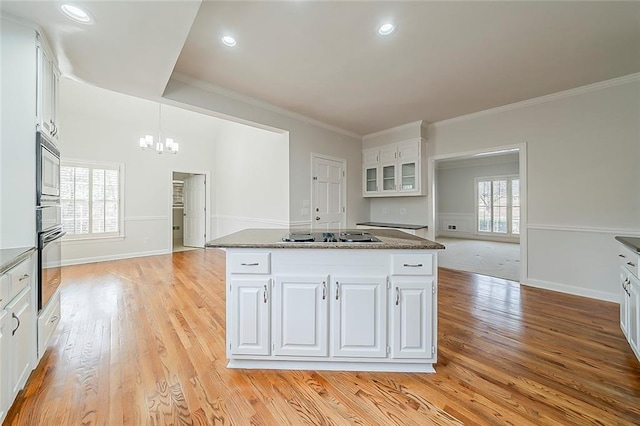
328 194
194 211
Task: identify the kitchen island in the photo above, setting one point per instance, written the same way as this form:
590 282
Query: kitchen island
341 302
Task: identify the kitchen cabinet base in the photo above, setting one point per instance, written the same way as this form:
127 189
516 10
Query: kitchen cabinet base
386 367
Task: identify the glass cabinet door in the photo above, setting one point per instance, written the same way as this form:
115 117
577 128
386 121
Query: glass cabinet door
389 178
408 179
371 177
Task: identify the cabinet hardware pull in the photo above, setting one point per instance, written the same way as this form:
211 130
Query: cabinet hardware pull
631 264
250 264
265 294
53 319
337 290
397 296
324 290
24 277
13 314
412 265
622 256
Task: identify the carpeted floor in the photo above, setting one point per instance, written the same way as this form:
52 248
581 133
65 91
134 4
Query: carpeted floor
491 258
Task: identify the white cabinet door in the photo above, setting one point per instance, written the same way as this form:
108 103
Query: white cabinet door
370 156
388 175
409 150
633 314
300 316
4 337
22 340
248 316
411 307
47 91
370 179
624 302
388 153
408 176
359 317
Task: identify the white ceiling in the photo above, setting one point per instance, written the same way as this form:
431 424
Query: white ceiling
323 59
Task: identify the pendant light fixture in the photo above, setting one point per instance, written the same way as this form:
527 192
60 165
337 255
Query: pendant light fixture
168 146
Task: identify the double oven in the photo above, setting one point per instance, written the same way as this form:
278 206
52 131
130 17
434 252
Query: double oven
48 218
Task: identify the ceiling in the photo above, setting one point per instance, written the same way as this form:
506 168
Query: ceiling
324 59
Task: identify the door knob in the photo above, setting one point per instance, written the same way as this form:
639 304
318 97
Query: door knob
317 217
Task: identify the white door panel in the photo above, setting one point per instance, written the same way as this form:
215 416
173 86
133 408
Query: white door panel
194 211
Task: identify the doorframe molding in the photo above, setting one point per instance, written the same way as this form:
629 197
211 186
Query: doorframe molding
315 155
207 203
522 162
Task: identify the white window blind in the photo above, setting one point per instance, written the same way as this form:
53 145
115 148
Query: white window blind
90 200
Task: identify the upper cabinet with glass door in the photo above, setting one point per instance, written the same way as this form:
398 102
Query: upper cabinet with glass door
394 170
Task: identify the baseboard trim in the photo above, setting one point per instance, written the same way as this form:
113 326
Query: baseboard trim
568 289
119 256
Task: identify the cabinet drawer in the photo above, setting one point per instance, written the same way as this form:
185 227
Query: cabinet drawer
412 264
48 322
628 259
250 263
4 290
20 277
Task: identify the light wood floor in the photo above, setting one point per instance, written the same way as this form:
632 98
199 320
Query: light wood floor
142 342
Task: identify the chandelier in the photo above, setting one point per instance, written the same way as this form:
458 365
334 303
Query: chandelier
169 146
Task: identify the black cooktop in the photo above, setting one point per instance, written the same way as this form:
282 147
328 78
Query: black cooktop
330 237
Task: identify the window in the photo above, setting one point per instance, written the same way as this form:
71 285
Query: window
498 205
90 197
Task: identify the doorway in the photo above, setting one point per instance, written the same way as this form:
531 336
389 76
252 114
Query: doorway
189 207
484 232
328 192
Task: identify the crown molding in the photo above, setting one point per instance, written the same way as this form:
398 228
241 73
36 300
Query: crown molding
543 99
218 90
418 123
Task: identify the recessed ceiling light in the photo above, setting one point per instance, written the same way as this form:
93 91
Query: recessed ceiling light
228 41
386 29
76 14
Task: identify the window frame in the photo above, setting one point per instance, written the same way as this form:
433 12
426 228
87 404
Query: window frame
91 165
509 178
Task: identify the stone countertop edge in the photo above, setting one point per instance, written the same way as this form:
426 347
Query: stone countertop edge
272 238
11 257
631 242
393 225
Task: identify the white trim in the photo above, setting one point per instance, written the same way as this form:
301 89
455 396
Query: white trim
300 223
393 129
543 99
343 195
576 291
260 104
92 240
630 232
254 219
144 218
120 256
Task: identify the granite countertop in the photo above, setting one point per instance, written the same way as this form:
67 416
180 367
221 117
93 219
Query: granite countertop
392 225
11 257
272 238
631 242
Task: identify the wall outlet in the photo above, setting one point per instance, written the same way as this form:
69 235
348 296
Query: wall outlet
453 227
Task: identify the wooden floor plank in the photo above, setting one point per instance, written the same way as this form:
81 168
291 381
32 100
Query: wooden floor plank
141 341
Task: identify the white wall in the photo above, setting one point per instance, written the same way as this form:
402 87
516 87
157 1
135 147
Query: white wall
18 136
251 179
305 137
583 149
456 191
100 125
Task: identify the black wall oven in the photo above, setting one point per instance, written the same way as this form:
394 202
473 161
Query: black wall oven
48 219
